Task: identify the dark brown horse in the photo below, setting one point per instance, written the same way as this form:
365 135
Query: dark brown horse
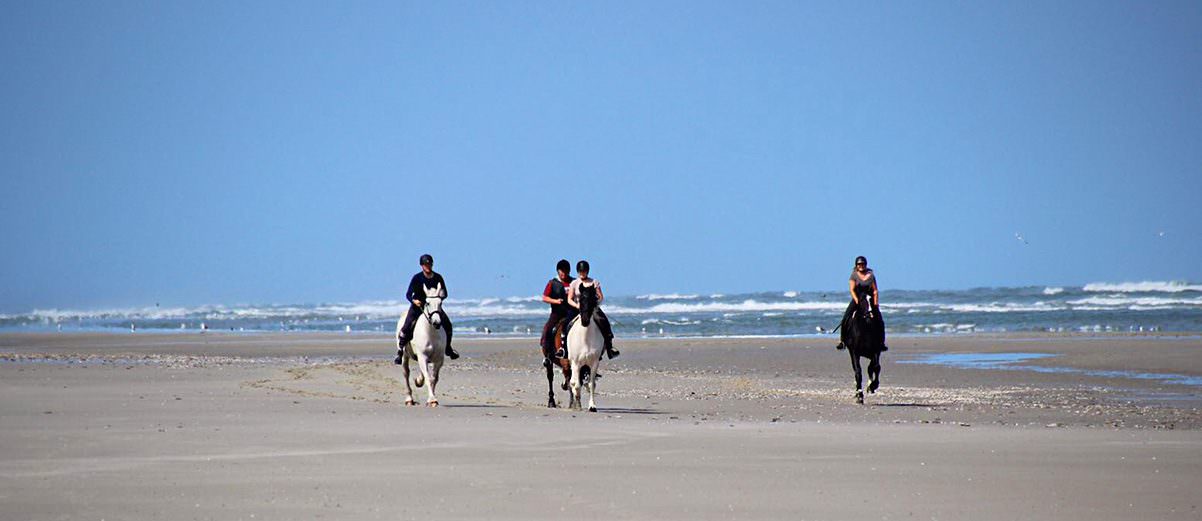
550 361
864 336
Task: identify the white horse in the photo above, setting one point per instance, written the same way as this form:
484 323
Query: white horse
427 347
585 345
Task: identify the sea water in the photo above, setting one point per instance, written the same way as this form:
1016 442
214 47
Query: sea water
1092 308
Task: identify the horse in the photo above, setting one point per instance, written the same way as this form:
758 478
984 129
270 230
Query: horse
863 336
427 347
585 345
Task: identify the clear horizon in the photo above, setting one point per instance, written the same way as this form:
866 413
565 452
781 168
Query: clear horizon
215 153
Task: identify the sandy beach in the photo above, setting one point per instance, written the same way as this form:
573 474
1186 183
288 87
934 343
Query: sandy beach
286 426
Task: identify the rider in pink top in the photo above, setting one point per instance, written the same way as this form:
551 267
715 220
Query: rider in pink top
582 279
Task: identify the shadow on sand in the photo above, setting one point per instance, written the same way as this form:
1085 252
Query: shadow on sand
904 405
475 406
622 410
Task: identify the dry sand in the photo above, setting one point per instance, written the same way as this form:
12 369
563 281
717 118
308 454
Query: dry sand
224 426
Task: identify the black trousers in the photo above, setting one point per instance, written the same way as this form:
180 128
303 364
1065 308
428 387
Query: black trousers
411 320
547 341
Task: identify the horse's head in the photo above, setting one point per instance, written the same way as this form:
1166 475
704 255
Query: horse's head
865 307
588 303
433 305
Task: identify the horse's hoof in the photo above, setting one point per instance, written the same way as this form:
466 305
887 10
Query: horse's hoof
398 360
565 386
592 409
860 397
432 403
552 405
410 402
872 387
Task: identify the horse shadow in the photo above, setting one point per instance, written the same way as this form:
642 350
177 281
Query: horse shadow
628 410
908 404
475 406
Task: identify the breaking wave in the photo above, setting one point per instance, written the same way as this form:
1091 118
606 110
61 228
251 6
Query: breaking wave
1142 287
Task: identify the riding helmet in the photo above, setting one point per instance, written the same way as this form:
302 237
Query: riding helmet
581 266
563 265
426 260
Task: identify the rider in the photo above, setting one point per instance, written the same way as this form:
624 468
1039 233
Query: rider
416 295
556 294
582 279
861 284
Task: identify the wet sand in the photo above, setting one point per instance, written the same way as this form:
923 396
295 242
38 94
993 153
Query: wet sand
224 426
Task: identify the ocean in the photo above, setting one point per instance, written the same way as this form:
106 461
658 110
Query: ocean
1097 307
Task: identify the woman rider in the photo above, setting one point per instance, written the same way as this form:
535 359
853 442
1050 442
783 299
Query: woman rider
862 284
607 332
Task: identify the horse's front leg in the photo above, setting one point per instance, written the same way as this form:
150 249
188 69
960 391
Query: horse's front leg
574 384
592 389
550 383
855 367
432 376
874 373
405 373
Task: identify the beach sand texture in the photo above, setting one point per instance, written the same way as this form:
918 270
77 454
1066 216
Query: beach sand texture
288 426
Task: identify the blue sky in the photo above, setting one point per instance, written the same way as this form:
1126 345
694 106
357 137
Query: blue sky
231 152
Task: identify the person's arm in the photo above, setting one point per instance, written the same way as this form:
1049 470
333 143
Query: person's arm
572 298
547 296
415 290
851 288
600 295
876 299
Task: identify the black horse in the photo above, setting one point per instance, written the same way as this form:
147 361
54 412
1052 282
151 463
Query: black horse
864 336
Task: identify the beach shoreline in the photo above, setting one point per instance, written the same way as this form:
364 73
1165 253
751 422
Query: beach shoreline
223 426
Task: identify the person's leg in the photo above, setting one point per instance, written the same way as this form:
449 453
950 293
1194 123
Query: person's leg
607 332
851 307
548 330
566 322
446 324
406 331
410 321
880 327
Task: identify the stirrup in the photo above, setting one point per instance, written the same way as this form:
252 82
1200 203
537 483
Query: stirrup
561 353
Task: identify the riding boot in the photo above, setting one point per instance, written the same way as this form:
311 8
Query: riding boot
840 347
451 353
610 352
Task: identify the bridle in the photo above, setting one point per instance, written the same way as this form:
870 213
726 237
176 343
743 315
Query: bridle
428 311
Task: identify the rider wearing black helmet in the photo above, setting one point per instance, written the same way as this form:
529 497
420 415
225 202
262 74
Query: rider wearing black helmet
582 279
862 285
416 295
556 294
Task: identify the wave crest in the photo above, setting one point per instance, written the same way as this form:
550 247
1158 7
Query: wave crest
1141 287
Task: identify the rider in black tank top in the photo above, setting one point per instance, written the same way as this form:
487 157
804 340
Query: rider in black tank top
555 294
